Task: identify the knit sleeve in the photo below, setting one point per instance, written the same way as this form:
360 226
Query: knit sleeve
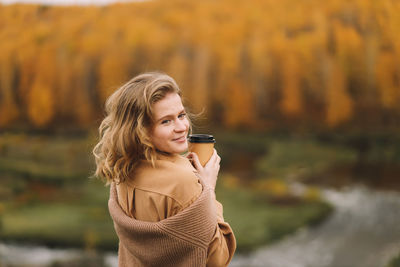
220 213
223 243
179 240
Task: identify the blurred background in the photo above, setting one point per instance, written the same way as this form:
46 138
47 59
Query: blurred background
302 97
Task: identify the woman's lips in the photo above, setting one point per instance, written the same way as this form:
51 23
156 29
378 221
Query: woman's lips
180 139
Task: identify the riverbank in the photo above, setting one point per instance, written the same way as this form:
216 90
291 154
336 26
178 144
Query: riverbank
43 176
362 232
14 254
47 197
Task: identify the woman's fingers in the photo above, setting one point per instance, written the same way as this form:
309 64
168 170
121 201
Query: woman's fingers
218 158
195 160
211 160
215 159
209 173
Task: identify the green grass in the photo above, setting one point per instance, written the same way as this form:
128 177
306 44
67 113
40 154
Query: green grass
81 219
46 157
286 158
46 196
395 262
257 222
60 224
77 217
34 170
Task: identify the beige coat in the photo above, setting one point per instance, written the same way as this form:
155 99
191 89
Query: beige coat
154 194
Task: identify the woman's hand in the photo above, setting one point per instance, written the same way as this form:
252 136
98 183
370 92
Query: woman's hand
209 173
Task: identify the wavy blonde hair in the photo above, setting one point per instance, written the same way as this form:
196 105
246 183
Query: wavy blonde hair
124 132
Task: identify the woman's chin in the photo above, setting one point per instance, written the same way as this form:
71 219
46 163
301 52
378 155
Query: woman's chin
181 149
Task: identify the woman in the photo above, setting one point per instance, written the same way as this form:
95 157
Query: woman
164 209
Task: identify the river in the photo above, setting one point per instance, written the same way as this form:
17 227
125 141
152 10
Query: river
364 230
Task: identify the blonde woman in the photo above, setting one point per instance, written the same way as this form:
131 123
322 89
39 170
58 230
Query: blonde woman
164 209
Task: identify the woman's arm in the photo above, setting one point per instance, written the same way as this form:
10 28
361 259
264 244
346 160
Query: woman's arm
223 244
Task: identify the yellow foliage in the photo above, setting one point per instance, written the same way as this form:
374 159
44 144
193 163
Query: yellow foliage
177 68
8 107
348 40
312 194
41 101
271 186
388 79
291 95
40 104
8 110
81 103
239 104
113 70
230 181
339 103
91 239
224 53
199 92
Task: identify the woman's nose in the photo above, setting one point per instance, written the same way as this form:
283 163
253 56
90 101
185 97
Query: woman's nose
180 125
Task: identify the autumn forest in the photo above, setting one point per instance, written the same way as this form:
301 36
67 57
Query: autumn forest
259 65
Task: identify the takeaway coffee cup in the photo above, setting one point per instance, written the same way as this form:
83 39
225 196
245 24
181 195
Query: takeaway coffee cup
202 145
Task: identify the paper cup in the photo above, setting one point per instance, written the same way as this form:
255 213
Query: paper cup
202 145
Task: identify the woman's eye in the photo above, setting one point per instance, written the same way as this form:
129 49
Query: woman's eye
165 121
182 115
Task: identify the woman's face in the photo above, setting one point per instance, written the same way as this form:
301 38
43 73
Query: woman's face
171 125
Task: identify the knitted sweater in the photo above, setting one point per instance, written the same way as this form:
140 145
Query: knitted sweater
179 240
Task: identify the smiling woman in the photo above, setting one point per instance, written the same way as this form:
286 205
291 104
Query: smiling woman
164 208
171 125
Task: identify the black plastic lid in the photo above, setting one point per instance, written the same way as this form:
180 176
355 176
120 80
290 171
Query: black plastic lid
201 138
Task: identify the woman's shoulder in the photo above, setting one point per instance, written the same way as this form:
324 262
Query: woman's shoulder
173 177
